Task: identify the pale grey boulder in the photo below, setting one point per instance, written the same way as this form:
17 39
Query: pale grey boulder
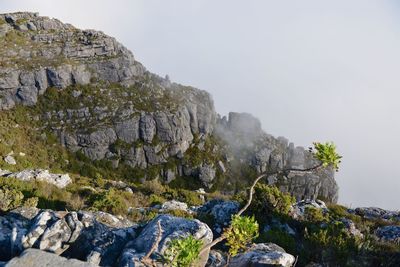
221 211
263 254
172 228
35 257
9 159
39 225
174 205
59 180
94 237
299 208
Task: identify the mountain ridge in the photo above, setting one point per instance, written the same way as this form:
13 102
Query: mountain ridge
102 158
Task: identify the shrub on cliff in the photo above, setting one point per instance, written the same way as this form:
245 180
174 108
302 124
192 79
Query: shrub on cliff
326 153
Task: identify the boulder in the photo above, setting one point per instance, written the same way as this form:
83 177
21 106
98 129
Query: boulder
298 209
10 160
377 213
36 257
59 180
172 228
97 237
174 205
390 233
221 212
264 254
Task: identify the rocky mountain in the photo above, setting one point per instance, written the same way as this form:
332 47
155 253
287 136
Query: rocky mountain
89 90
104 163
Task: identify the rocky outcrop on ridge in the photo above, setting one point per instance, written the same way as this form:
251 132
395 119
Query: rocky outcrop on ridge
90 91
249 143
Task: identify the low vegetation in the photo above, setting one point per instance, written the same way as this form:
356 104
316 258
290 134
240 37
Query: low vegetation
242 231
182 252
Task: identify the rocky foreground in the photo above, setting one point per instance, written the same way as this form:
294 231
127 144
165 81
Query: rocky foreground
106 164
101 239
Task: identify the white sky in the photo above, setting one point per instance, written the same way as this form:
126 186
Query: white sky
311 70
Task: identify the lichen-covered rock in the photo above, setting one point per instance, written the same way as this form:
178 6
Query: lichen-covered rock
377 213
36 257
100 244
174 205
10 160
299 208
59 51
59 180
172 228
263 254
221 212
97 237
390 233
252 146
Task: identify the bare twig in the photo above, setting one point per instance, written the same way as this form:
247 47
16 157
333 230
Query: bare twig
146 259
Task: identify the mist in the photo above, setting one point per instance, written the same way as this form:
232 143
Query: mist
309 70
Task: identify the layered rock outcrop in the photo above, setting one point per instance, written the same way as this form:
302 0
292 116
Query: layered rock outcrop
100 239
249 143
88 89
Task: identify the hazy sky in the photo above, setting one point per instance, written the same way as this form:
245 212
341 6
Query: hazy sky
311 70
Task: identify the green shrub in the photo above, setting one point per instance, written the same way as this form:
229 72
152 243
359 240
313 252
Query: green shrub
152 187
31 202
281 238
156 199
10 198
180 213
189 197
240 233
332 244
326 153
183 252
111 201
314 215
268 200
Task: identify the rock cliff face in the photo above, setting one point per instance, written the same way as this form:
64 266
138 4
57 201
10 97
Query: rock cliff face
250 144
88 89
